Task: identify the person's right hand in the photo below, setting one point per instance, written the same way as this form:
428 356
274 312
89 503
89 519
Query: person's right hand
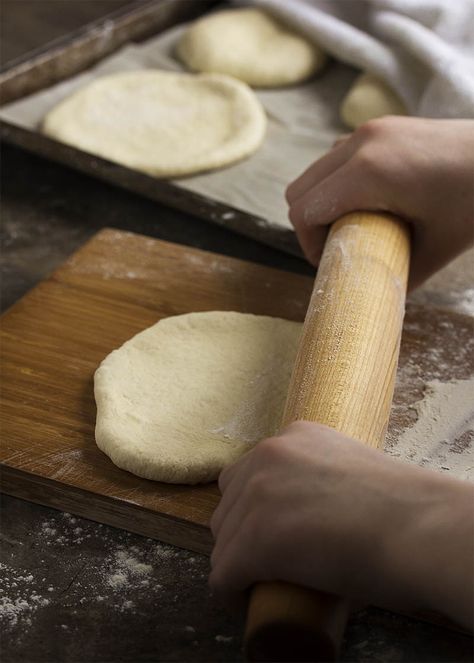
420 170
316 508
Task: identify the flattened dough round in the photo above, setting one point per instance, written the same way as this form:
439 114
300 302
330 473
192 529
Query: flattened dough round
163 123
368 98
189 395
250 45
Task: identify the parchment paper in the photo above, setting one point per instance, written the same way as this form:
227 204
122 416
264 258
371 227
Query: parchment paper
303 123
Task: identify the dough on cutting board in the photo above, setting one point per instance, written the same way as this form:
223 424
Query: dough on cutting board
163 123
250 45
189 395
367 99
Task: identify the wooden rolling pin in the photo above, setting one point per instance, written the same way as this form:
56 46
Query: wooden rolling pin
343 377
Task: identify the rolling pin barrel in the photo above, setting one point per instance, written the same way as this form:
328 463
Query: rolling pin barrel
343 377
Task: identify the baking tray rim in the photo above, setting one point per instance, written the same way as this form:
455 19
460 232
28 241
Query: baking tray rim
164 191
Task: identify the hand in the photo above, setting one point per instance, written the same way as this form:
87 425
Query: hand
315 508
420 170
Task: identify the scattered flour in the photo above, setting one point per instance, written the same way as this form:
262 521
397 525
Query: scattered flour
164 552
17 599
117 580
223 638
127 605
70 518
442 437
465 301
126 568
54 533
112 579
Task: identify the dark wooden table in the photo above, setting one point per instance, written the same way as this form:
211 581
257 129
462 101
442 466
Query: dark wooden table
73 590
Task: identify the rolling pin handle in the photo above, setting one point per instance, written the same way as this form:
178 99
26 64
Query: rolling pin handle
294 638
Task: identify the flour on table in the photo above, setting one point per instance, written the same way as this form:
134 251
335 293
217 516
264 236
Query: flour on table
188 396
443 436
128 574
17 599
128 569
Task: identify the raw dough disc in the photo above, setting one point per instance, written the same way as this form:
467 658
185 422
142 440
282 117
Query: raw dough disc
250 45
367 99
189 395
163 123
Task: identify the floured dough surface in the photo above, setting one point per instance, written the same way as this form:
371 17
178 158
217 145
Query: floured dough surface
163 123
187 396
367 99
250 45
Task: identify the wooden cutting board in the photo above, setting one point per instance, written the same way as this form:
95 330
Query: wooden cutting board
116 285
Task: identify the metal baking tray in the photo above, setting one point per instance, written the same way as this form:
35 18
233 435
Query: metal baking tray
76 52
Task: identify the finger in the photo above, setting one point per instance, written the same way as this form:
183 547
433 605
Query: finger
239 565
312 240
231 483
231 519
320 169
347 190
342 139
228 500
227 474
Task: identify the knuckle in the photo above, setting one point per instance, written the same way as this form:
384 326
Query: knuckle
299 426
302 429
368 161
372 128
260 488
340 140
378 127
270 448
254 485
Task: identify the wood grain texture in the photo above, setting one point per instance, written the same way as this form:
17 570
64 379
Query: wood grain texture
345 369
119 283
53 340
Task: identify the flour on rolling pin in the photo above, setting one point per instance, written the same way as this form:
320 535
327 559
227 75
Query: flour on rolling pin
443 436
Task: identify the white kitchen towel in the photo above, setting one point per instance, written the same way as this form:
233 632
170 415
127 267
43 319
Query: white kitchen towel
424 49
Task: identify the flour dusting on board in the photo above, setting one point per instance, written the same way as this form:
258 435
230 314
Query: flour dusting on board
207 263
443 436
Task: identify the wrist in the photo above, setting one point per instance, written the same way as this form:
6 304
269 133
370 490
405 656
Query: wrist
427 560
